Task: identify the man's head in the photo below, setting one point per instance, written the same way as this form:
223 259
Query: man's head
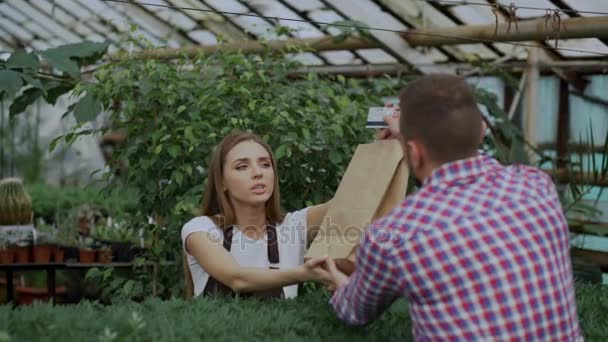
440 122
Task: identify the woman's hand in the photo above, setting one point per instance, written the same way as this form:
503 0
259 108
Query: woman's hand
313 270
392 131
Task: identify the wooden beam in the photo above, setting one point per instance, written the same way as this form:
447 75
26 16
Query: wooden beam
247 46
573 148
461 68
583 27
358 70
564 176
563 125
531 91
597 257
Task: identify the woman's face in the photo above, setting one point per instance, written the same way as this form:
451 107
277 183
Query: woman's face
248 174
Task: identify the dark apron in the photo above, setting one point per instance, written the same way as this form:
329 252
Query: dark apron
215 288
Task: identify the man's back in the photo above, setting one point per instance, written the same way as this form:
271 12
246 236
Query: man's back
481 251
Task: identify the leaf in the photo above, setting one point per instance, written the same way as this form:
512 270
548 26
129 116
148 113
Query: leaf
335 157
174 151
68 58
178 176
280 151
53 143
53 90
31 80
21 103
146 85
21 59
87 108
128 287
10 82
189 134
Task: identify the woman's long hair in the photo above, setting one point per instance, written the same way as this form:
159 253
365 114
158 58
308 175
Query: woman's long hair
216 204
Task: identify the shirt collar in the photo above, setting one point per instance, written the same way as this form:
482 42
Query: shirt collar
463 168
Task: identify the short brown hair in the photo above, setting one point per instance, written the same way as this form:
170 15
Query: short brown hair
441 112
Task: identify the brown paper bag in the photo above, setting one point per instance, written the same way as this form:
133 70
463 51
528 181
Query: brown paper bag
374 183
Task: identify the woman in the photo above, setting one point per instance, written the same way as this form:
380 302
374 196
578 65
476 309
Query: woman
243 243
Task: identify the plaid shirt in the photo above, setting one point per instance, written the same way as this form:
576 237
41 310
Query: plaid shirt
481 252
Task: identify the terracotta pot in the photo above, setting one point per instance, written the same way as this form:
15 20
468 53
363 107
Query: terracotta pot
86 255
28 295
58 254
22 255
105 256
43 253
7 256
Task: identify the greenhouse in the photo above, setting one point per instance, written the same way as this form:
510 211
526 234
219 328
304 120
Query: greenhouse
303 170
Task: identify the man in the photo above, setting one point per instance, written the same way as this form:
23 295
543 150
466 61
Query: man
481 251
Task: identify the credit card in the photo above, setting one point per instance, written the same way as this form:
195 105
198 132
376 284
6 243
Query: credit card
375 117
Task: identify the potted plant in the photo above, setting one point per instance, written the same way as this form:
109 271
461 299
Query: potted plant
104 254
44 244
66 248
86 252
22 248
15 203
123 242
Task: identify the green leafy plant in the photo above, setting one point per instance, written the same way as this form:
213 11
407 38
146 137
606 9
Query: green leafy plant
306 318
45 233
175 113
22 77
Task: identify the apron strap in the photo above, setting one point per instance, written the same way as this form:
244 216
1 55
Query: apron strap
215 287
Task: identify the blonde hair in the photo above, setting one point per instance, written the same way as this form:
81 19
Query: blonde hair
216 204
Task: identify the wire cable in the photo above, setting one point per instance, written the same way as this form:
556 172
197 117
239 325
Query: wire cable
479 40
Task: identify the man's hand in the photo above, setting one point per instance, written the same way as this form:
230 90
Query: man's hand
313 270
338 278
392 121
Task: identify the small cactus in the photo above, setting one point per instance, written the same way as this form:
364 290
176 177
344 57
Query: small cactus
15 203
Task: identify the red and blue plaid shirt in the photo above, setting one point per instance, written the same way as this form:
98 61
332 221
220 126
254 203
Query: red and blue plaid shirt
481 252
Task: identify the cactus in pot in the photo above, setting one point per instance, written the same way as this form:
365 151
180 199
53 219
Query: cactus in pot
15 203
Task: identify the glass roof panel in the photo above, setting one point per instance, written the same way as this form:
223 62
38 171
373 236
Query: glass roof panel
529 13
203 36
376 56
42 19
341 57
588 44
589 5
75 8
15 30
306 5
42 23
10 12
474 15
307 58
273 8
177 18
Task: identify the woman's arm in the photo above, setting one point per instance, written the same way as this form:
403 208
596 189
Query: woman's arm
220 264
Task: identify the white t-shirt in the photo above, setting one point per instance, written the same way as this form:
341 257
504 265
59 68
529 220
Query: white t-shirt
291 237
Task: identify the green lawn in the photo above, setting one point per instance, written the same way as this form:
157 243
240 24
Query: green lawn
307 318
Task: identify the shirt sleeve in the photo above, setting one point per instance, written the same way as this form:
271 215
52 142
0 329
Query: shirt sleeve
200 224
375 284
295 230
